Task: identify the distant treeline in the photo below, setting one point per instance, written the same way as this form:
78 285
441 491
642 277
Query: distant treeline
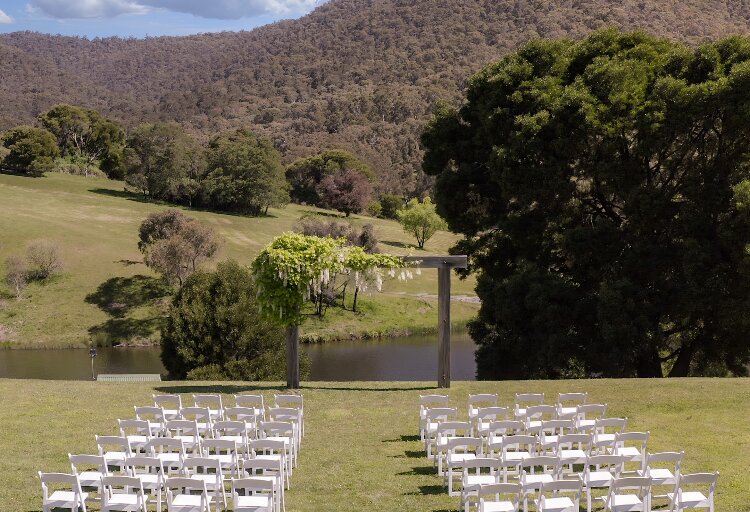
236 171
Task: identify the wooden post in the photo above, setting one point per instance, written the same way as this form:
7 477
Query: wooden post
444 326
292 357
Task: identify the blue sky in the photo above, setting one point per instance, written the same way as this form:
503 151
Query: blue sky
140 18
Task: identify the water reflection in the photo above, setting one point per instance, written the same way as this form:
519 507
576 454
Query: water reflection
407 358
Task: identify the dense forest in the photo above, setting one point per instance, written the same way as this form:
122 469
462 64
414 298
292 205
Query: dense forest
359 75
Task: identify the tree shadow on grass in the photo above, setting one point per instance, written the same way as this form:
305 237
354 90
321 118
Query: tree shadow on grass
122 194
402 439
117 296
357 388
118 330
419 470
225 389
400 245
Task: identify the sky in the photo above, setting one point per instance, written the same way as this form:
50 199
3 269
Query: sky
141 18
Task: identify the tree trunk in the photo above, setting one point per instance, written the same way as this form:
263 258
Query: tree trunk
354 304
649 365
681 366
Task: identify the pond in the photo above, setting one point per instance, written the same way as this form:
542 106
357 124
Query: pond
405 358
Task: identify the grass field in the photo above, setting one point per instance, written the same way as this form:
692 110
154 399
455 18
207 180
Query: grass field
96 225
360 451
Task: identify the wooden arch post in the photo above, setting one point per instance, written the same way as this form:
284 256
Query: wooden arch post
444 266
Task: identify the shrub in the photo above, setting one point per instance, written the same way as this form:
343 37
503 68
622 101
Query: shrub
44 258
16 274
390 204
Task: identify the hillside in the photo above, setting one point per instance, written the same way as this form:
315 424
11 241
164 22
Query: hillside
106 295
361 75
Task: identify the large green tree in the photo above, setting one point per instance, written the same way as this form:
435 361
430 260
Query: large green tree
83 133
244 174
215 330
600 187
30 150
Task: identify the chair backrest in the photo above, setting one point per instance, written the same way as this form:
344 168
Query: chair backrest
488 399
637 438
638 485
572 398
612 463
182 427
247 414
251 401
255 466
523 399
276 446
276 428
519 443
557 487
689 481
251 485
285 414
554 428
432 400
79 463
211 401
493 412
610 425
202 414
140 427
186 484
120 442
230 428
287 400
145 412
122 482
586 411
193 465
143 464
441 413
508 492
549 464
454 428
479 463
540 412
506 427
219 446
580 441
673 459
168 401
158 445
463 444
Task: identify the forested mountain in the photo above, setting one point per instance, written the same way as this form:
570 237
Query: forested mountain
361 75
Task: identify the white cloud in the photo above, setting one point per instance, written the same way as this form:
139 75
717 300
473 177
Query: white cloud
4 18
82 9
216 9
233 9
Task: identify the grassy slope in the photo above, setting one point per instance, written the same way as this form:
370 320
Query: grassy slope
360 452
96 224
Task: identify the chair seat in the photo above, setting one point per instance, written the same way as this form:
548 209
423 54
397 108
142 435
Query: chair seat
90 478
567 412
471 482
624 502
137 440
599 479
629 452
211 479
124 500
568 456
604 439
114 458
661 476
692 499
535 481
189 500
497 506
556 504
586 424
241 502
64 499
515 456
549 441
459 458
149 481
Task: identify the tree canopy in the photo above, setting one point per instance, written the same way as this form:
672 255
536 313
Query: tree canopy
601 189
420 220
30 150
306 174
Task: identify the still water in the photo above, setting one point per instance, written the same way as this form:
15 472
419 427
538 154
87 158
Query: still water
405 358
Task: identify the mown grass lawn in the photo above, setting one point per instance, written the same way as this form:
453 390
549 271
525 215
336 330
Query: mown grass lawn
360 452
105 294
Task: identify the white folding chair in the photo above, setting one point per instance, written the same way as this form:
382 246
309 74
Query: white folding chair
213 403
181 499
567 404
270 470
226 451
535 415
154 415
628 494
281 431
69 496
123 494
137 432
535 471
293 401
116 456
433 418
560 496
500 428
484 473
171 452
150 471
170 405
270 449
587 414
292 415
504 497
573 449
550 430
686 497
252 495
446 431
254 402
187 431
478 401
516 448
523 400
427 402
236 431
605 430
599 472
458 450
661 476
200 415
248 415
89 469
208 470
484 416
632 446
